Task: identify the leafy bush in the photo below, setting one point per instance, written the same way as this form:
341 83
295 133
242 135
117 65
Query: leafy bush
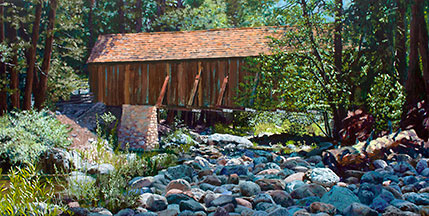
27 194
293 123
25 135
386 100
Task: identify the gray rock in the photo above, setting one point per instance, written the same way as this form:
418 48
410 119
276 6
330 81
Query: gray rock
291 186
324 176
417 198
264 206
260 213
282 198
372 177
379 204
367 192
227 138
421 165
358 209
279 212
248 188
169 212
379 164
102 211
191 205
340 197
263 197
177 198
234 169
223 200
125 212
140 182
405 206
78 211
308 190
179 171
79 182
153 202
101 169
55 160
220 212
393 211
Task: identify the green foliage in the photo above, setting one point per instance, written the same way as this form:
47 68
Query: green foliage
386 99
28 194
292 123
107 129
25 135
112 190
211 14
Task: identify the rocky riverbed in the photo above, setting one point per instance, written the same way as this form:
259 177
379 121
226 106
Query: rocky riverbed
224 175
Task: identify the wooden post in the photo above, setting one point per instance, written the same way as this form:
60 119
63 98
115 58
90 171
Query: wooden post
194 88
222 91
163 90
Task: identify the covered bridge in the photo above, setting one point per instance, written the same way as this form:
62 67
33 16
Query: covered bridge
186 70
192 69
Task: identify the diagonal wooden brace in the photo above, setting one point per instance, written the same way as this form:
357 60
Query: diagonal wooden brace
163 90
222 91
195 87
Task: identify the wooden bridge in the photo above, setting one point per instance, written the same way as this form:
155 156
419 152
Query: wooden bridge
192 69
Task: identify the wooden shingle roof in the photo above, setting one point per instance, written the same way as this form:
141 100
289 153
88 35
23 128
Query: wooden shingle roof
203 44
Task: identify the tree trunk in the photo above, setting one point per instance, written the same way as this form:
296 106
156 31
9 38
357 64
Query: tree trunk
338 41
91 25
32 58
3 96
43 83
400 45
179 4
160 8
423 46
121 16
14 76
139 18
414 84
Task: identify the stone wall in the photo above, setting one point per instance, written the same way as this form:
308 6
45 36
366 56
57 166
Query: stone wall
139 127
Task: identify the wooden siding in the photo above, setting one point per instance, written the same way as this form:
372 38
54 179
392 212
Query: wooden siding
140 83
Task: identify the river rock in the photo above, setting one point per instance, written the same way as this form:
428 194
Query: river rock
324 176
248 188
340 197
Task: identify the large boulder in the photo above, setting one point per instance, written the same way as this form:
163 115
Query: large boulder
248 188
153 202
179 172
55 160
323 176
340 197
80 183
224 139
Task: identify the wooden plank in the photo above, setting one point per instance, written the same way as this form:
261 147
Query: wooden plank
110 87
102 83
181 84
196 82
222 91
121 85
127 84
137 84
143 69
98 82
163 90
233 79
152 83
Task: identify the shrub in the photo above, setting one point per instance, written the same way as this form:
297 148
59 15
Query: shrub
27 194
25 135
